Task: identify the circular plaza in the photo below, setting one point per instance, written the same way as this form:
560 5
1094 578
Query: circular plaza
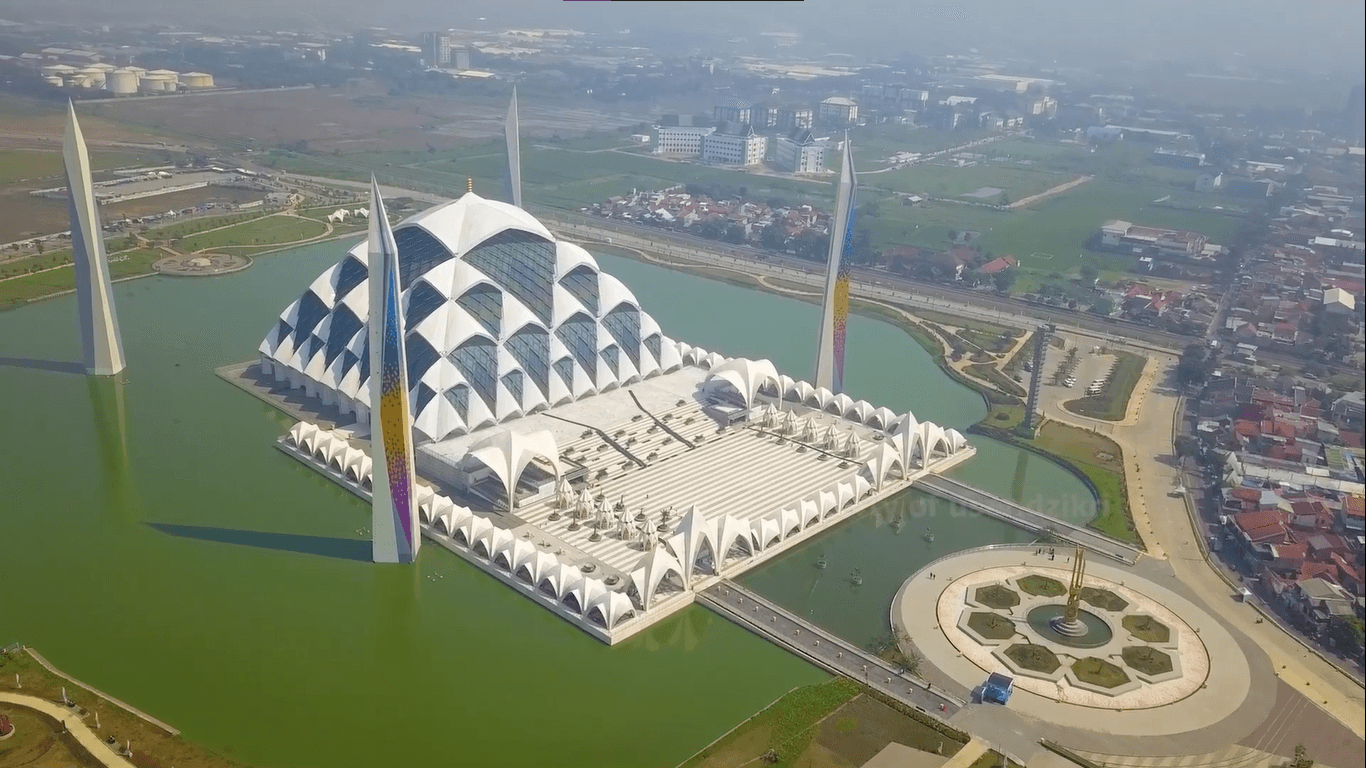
1083 644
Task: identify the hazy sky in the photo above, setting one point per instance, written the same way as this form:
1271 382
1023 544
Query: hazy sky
1314 31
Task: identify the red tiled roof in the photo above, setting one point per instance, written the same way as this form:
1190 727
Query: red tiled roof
1311 569
1263 526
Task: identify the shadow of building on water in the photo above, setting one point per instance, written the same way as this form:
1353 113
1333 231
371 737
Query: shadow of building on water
325 546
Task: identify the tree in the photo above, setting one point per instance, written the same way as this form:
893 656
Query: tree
1004 280
772 238
1103 306
1197 363
1089 273
1346 633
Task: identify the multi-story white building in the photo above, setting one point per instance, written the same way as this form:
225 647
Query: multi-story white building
734 144
733 111
838 110
436 49
798 152
680 140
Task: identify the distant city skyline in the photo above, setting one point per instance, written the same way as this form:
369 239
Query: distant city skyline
1327 33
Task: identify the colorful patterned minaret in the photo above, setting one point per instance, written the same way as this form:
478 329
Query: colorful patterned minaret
395 535
100 339
835 310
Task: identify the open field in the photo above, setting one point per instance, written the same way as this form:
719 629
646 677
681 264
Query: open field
22 117
1051 236
874 144
29 165
1113 403
947 181
268 230
364 118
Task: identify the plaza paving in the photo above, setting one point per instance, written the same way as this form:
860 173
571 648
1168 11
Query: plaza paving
1222 702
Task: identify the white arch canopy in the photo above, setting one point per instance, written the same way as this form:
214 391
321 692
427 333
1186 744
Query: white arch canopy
509 453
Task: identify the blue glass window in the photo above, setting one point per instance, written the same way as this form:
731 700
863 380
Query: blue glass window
312 310
485 303
582 284
655 343
418 252
613 357
580 335
424 396
351 274
623 322
365 360
521 263
513 381
565 368
459 398
477 361
420 356
423 300
344 327
349 361
530 347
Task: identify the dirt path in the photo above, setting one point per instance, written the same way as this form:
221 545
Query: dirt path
1047 193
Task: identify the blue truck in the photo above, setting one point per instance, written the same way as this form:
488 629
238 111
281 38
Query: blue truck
998 688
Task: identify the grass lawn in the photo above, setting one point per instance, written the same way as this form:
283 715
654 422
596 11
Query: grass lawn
1112 404
785 726
266 231
1051 236
19 290
36 742
187 228
1102 461
151 745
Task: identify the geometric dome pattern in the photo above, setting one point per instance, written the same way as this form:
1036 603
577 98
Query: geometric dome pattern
502 320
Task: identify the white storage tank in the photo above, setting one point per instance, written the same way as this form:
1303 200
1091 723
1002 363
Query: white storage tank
58 70
196 80
139 71
94 75
122 81
155 84
55 80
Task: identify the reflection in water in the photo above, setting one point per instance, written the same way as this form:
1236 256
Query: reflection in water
108 403
686 629
396 612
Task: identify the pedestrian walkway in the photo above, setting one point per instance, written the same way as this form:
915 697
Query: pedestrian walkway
84 736
1024 517
824 649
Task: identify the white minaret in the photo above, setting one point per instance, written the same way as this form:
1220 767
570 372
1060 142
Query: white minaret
514 170
394 531
100 339
835 308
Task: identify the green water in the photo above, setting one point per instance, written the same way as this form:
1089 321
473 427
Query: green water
154 543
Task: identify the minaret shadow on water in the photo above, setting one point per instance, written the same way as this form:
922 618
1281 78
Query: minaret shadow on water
108 404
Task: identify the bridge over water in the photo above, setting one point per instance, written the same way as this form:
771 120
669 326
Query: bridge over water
834 654
1024 517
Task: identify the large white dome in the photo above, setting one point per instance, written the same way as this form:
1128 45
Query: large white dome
501 320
